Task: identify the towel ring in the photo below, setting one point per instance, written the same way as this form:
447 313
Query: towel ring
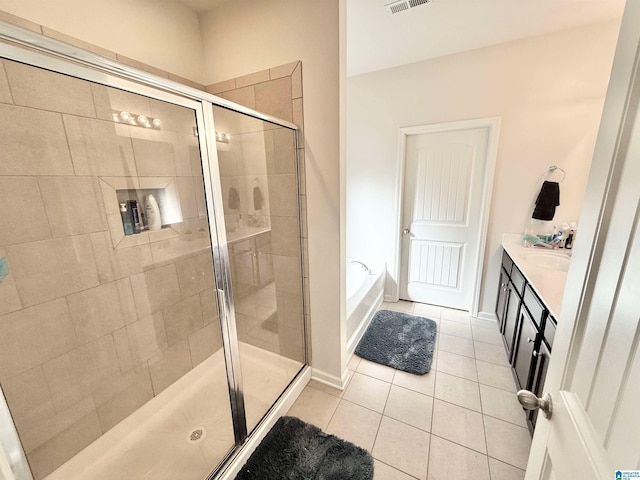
553 168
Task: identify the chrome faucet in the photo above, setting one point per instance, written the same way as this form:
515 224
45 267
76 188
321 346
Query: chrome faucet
363 264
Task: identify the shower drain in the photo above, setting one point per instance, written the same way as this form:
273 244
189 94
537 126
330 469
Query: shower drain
196 435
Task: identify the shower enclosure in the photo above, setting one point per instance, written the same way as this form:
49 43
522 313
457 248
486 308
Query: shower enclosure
152 311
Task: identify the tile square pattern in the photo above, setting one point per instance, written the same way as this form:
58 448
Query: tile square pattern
458 425
507 442
356 424
448 460
409 407
458 391
315 407
459 421
403 447
367 392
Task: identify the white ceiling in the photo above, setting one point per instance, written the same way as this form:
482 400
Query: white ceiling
377 40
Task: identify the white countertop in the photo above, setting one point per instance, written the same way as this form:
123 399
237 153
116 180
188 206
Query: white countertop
548 284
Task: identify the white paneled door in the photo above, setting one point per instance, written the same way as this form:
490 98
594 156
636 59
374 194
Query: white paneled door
594 373
443 195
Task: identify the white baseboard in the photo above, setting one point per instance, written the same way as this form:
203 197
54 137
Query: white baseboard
282 406
390 298
328 379
487 316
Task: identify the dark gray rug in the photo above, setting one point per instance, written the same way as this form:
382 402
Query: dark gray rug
399 340
295 450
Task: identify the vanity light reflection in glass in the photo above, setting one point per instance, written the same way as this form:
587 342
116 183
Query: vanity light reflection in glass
136 120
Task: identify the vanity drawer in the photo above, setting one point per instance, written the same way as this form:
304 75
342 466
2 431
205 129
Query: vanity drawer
507 263
534 305
550 330
518 280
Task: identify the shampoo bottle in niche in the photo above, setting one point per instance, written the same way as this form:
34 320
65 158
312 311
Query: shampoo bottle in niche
152 211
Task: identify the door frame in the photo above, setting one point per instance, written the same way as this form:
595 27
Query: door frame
609 156
493 124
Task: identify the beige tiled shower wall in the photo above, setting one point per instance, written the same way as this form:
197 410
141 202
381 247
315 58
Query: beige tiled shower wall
94 323
278 92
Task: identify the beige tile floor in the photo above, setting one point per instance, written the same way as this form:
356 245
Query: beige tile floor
459 421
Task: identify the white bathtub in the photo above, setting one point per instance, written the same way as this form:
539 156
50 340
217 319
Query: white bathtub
365 289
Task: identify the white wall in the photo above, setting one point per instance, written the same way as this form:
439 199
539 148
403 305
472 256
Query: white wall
164 34
245 36
549 91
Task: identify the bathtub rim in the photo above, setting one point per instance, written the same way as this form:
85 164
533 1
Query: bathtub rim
377 268
372 280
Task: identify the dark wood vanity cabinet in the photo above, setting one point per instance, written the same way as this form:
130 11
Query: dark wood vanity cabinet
503 296
526 344
527 329
508 303
543 355
511 319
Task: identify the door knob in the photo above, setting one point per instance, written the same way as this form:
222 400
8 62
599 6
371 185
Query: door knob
406 230
529 401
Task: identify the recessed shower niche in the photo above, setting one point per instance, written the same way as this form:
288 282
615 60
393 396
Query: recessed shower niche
180 222
150 209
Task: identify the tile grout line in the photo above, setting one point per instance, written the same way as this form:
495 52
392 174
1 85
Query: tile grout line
395 468
485 454
505 462
464 378
484 430
333 414
433 407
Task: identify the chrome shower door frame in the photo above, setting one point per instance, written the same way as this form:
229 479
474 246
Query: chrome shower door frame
39 51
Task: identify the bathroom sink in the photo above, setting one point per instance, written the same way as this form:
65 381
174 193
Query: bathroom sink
552 261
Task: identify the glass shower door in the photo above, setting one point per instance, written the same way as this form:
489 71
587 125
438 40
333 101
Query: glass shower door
258 175
111 353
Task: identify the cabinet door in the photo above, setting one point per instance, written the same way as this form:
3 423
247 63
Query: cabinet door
501 302
526 341
510 319
542 357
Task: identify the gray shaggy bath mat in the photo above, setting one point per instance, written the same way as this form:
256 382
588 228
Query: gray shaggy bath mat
295 450
399 340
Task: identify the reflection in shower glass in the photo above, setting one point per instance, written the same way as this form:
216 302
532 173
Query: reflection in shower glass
257 162
110 344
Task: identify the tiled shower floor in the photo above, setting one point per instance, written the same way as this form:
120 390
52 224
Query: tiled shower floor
460 421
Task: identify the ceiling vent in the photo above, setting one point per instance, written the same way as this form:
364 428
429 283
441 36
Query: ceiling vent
402 5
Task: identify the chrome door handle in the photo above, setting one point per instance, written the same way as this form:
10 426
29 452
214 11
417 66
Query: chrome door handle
406 230
529 401
222 307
